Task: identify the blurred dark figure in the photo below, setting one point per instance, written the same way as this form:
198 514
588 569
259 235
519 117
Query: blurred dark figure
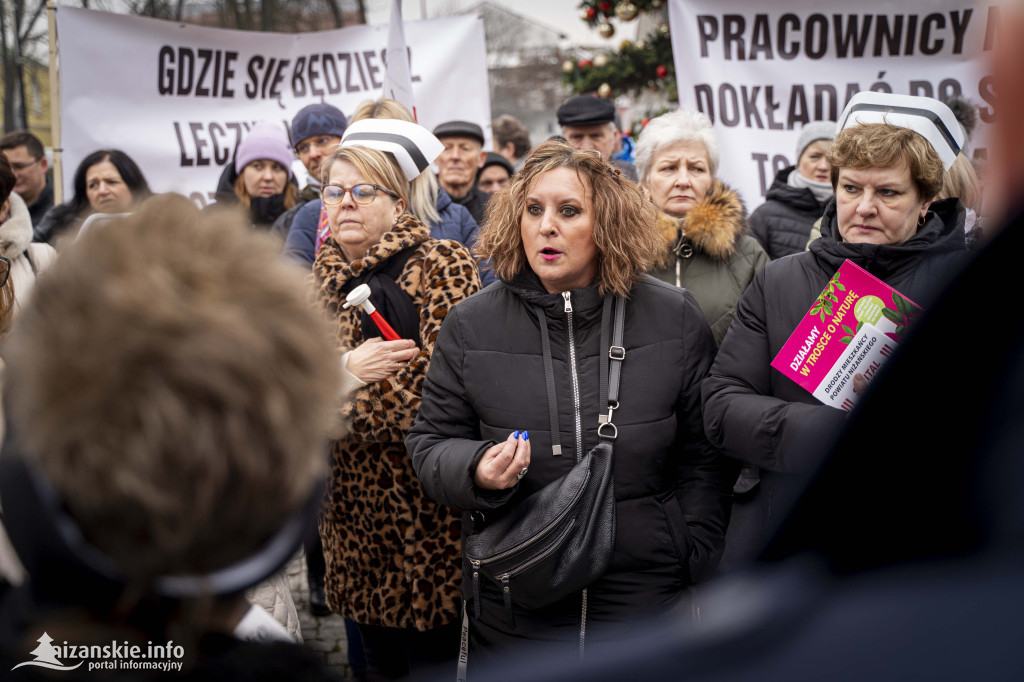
167 414
905 560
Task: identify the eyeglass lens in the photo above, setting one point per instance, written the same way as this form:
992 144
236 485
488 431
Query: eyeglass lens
335 194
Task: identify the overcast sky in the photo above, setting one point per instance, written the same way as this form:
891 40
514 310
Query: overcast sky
563 15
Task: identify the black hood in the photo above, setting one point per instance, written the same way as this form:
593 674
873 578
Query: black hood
943 231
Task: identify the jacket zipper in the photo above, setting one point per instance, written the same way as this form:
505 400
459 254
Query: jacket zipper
575 379
579 438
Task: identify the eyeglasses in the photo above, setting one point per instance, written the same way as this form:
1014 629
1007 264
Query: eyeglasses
5 270
361 194
25 165
324 143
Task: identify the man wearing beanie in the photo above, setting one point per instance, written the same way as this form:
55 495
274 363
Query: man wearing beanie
798 196
495 173
588 122
458 164
316 132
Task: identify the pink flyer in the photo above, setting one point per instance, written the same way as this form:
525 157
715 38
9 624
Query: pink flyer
853 326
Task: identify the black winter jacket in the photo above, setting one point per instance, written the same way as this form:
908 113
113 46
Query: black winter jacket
751 410
486 380
782 224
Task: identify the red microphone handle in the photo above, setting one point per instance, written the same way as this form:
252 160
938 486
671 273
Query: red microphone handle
385 328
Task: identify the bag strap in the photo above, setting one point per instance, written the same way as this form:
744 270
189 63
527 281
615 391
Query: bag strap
549 380
611 371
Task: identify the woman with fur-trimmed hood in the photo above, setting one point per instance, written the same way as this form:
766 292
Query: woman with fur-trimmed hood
706 248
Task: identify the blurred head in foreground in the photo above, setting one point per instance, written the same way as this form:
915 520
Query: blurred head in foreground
170 389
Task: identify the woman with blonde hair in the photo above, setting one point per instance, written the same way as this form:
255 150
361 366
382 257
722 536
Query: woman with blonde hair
427 201
392 554
259 180
512 400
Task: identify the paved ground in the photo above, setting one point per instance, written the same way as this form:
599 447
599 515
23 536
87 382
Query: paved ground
326 635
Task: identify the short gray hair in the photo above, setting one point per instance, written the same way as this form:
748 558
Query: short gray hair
671 128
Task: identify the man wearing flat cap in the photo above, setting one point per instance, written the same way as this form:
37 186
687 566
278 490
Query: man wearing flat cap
588 122
458 164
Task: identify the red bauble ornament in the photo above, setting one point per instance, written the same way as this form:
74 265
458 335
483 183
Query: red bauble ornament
591 14
605 7
645 122
661 71
584 63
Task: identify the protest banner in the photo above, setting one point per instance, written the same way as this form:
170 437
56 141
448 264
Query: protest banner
762 71
177 98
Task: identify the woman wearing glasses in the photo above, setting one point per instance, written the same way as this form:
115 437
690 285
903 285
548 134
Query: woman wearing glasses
393 556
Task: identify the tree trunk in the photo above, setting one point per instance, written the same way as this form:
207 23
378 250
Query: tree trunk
8 67
20 120
361 4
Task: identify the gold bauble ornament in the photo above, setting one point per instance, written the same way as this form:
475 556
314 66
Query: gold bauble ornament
626 44
601 60
604 91
663 29
641 45
626 11
606 30
656 4
568 66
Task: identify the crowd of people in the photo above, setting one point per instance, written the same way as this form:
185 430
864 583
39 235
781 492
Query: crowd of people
559 344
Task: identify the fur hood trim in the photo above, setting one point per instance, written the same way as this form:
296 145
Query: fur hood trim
713 227
16 231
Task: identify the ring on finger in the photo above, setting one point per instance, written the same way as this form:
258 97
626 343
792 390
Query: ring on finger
522 472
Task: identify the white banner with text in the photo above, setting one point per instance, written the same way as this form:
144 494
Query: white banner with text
760 72
178 98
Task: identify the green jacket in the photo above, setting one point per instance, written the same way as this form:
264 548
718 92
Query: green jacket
709 253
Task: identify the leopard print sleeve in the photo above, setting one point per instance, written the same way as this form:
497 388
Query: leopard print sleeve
384 411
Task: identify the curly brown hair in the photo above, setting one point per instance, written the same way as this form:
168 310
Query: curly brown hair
624 221
884 145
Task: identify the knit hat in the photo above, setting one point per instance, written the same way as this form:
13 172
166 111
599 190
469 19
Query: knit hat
318 119
812 132
265 140
411 145
494 159
928 117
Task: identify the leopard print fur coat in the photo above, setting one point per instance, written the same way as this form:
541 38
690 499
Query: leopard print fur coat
393 556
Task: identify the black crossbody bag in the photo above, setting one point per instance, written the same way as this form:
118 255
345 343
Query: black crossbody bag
559 539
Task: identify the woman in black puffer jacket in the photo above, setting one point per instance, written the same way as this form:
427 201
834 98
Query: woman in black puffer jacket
566 231
798 196
884 220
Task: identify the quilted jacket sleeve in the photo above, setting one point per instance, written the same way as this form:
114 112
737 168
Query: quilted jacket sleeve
383 411
300 244
445 440
741 416
704 478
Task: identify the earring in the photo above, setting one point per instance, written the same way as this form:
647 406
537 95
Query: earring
920 221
